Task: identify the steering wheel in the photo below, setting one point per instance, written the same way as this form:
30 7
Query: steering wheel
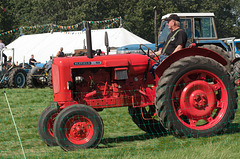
148 52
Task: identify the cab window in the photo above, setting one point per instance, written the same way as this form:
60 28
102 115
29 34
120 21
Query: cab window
238 46
204 28
186 25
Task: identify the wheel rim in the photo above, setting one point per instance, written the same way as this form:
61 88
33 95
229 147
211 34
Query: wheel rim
50 124
200 99
79 129
20 80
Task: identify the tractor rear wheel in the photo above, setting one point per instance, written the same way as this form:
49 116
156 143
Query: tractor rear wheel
195 97
236 72
45 125
34 82
17 78
151 126
221 52
78 127
49 78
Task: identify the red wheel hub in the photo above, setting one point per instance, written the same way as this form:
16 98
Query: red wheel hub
200 99
79 130
197 100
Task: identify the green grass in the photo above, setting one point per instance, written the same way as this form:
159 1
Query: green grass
122 138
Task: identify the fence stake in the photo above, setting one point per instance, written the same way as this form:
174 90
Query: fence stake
14 124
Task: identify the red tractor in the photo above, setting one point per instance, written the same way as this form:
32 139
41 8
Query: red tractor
192 94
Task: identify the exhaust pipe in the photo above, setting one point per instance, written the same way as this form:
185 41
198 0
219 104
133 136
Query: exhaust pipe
89 41
155 28
107 43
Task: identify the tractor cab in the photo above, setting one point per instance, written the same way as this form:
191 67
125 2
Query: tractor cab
198 26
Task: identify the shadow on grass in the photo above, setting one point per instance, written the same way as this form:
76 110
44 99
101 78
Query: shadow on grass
232 129
146 136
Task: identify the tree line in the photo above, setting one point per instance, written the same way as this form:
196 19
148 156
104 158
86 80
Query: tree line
137 15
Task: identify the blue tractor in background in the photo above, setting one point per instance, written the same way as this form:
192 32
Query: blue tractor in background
237 47
40 76
201 32
11 76
234 45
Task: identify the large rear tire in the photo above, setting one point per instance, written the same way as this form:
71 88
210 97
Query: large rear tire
32 81
236 72
78 127
49 78
151 126
17 78
45 125
195 97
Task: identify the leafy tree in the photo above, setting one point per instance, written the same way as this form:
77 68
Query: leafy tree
7 22
138 15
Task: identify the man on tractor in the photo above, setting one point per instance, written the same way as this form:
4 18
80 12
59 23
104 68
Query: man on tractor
176 40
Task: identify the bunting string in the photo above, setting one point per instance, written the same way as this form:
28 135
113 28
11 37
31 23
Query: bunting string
55 26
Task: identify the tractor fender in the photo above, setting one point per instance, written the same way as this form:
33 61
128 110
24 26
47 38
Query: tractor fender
34 69
194 51
235 60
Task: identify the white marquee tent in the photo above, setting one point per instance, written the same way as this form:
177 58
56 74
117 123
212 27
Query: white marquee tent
48 44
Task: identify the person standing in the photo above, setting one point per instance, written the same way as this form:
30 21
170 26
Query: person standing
60 53
2 46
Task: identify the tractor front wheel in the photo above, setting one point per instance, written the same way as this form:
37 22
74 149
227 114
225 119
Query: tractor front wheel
78 127
195 97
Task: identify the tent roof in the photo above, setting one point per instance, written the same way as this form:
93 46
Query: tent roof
45 45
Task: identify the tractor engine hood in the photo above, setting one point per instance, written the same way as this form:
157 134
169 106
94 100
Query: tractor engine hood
134 48
136 63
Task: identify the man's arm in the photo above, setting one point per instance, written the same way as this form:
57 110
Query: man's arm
158 53
33 61
179 47
58 53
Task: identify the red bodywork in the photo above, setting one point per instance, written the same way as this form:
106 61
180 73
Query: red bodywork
105 81
112 80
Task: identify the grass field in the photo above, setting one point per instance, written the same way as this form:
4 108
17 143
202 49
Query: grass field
122 138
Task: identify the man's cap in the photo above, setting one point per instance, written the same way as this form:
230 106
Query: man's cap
173 17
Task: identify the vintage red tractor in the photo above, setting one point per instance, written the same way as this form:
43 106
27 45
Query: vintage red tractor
192 94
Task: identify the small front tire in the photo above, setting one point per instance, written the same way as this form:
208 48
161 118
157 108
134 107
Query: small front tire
45 125
78 127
